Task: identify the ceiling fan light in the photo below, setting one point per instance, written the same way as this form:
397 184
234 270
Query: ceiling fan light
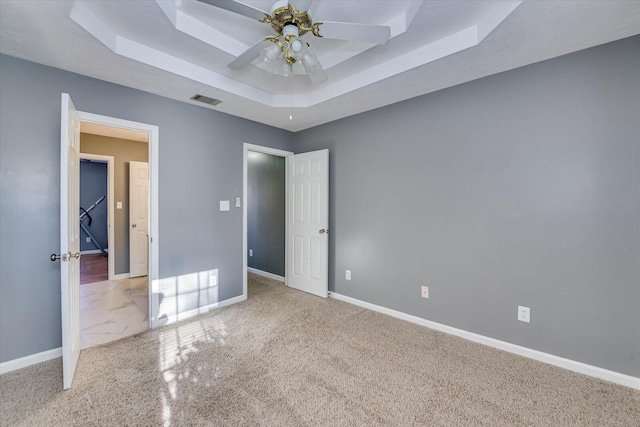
271 53
313 68
285 69
297 48
296 45
309 60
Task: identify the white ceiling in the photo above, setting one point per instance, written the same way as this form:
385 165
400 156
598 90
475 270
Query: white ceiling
176 48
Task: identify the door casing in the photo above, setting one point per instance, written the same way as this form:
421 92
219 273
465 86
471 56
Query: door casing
154 238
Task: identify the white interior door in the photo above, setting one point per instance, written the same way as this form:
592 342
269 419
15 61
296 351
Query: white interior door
138 218
70 238
308 222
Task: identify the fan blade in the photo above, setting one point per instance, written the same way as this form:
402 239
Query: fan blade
378 34
301 5
249 55
239 8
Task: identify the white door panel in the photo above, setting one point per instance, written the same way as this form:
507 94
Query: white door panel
70 238
308 222
138 218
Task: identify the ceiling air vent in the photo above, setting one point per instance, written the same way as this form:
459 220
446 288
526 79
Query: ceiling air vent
205 99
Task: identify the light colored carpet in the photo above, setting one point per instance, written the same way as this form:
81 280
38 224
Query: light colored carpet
287 358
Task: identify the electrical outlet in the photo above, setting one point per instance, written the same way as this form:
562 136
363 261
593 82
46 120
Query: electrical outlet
250 252
347 274
524 314
425 292
88 239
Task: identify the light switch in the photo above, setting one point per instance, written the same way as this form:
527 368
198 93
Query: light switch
237 202
118 205
224 205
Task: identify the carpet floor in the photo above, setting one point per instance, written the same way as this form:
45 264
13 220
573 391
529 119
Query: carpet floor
287 358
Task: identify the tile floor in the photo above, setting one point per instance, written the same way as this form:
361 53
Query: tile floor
113 309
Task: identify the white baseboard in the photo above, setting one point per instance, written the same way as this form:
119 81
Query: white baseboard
572 365
120 276
25 361
90 252
93 251
265 274
196 311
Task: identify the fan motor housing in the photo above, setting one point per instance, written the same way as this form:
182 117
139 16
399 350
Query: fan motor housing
283 15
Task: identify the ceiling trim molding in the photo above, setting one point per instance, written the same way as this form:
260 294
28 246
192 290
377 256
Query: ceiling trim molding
156 58
191 25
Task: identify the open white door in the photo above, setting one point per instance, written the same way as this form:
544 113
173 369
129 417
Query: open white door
69 238
308 222
138 218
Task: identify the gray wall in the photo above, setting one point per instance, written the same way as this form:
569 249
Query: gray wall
93 185
123 152
201 155
266 212
522 188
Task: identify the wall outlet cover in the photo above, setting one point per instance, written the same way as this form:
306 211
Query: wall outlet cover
237 202
524 314
424 293
224 205
347 274
88 239
118 205
250 252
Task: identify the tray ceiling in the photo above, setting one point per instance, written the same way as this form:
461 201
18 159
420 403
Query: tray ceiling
177 48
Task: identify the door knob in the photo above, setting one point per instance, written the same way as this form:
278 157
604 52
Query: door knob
133 225
64 257
55 257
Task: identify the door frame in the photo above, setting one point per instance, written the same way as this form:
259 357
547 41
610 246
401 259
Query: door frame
245 155
154 238
110 161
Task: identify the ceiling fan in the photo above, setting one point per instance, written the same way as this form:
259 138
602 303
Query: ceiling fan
290 19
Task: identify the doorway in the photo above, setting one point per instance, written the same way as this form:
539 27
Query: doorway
264 213
71 121
96 217
115 306
306 219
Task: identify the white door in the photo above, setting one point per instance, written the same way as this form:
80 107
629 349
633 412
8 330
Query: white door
308 222
70 238
138 218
